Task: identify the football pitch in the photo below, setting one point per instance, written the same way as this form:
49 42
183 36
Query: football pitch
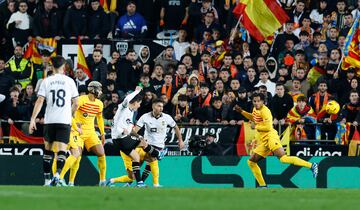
97 198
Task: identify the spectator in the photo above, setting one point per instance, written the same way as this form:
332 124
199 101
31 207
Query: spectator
316 15
181 78
144 54
186 59
157 78
6 81
41 70
350 112
204 65
304 41
181 44
251 80
281 104
110 108
127 73
264 80
173 14
6 43
235 85
75 21
211 78
300 75
219 89
195 53
98 67
296 89
331 41
168 107
167 58
201 104
182 110
81 78
98 21
47 21
311 51
328 77
115 57
300 114
338 16
345 85
356 12
132 24
167 88
305 26
20 25
146 104
217 112
348 21
218 55
145 83
289 49
298 13
14 111
20 68
318 70
208 25
228 65
280 39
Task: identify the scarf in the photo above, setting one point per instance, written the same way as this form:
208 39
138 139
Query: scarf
206 101
181 80
317 101
184 113
167 90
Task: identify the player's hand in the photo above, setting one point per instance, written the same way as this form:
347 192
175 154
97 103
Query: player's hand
32 126
238 108
125 132
181 145
252 125
102 139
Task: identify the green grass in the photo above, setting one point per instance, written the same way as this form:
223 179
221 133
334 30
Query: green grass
96 198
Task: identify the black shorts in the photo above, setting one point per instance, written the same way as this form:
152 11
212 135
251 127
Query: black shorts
57 132
126 144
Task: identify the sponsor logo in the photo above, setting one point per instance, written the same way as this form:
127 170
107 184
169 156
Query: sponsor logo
122 47
21 151
318 152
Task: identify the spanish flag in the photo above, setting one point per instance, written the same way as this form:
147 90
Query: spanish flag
33 51
351 49
260 17
18 137
81 62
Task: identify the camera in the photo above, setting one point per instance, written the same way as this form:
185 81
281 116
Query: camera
198 143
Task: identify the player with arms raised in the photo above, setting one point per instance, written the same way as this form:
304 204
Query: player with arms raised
269 140
61 97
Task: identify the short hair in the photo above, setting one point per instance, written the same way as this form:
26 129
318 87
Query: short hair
354 91
144 75
301 98
130 51
169 46
168 74
14 89
262 96
279 84
182 98
216 98
304 33
157 100
227 55
97 50
58 61
137 98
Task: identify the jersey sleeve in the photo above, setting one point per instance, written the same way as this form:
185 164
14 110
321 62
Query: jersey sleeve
128 98
42 89
141 121
170 121
74 90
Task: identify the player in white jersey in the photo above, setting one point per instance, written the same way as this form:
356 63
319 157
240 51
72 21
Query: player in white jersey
61 96
156 123
121 133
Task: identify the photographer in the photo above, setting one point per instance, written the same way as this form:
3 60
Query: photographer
205 145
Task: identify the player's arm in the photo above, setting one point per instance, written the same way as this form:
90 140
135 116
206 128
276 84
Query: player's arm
179 137
266 125
38 104
244 113
128 98
74 105
100 122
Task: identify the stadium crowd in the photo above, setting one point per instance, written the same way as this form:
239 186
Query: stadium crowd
210 67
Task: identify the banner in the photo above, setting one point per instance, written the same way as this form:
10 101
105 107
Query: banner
354 146
18 137
318 150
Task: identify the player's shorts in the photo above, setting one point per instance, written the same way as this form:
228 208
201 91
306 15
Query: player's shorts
126 144
90 139
128 161
75 140
269 142
57 132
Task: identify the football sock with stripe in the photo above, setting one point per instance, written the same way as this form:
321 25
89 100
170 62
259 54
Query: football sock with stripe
60 161
47 158
136 171
145 173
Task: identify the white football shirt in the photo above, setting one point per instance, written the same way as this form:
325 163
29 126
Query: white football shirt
155 128
58 91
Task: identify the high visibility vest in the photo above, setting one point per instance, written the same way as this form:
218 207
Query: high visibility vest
23 64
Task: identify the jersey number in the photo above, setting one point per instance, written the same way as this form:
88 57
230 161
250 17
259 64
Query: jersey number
58 97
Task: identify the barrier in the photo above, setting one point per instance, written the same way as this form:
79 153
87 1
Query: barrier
199 172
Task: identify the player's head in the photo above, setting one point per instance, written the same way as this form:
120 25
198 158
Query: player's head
157 106
58 63
95 88
136 102
258 100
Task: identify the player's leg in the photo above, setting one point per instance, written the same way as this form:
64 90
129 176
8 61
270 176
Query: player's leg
74 169
125 178
99 151
136 167
47 158
280 153
254 167
155 171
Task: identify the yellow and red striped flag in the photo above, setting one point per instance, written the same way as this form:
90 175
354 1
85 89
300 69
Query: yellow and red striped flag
81 62
260 17
33 51
351 49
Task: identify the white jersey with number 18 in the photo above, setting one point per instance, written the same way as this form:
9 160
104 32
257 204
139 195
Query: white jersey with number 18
58 91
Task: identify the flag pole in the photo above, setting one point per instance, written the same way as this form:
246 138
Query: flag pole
234 30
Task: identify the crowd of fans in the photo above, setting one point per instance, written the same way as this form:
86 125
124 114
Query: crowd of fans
204 73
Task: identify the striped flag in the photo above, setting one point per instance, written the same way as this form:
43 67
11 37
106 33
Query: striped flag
351 49
81 62
260 17
33 51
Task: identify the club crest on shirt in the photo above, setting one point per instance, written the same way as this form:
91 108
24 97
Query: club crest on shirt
85 114
128 121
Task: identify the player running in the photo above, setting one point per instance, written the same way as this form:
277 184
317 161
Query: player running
269 140
61 97
126 142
